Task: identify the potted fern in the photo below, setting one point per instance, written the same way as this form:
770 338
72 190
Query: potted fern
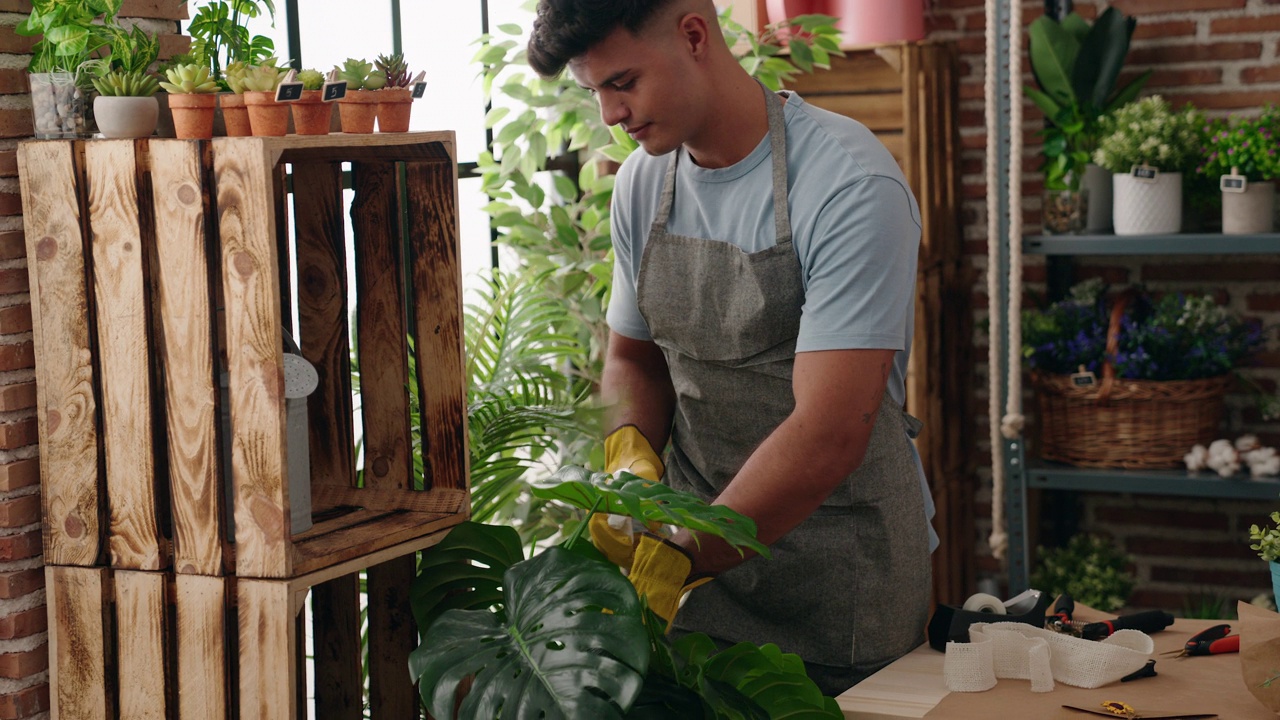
311 114
126 106
192 100
359 107
267 117
395 99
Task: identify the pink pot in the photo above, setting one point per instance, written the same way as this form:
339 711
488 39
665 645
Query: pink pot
874 22
779 10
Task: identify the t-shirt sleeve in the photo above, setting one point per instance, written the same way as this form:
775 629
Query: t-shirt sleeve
860 269
623 314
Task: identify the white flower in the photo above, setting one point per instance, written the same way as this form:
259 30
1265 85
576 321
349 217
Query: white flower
1246 443
1223 458
1196 459
1262 462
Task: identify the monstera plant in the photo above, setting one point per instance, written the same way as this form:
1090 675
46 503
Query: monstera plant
564 635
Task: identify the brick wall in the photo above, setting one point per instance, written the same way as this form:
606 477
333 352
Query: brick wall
1223 56
24 649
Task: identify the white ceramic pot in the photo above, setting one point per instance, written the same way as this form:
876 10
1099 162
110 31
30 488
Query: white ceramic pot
1249 212
126 117
1097 181
1147 207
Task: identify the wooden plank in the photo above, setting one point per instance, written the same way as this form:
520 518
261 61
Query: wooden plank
335 607
202 665
380 327
859 70
65 405
437 281
186 319
140 632
360 547
252 297
878 111
77 643
393 634
124 353
267 637
322 315
894 143
438 500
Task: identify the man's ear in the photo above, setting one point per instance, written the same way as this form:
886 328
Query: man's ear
695 35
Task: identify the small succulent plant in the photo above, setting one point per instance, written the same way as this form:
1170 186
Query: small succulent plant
188 80
311 79
234 77
120 83
394 69
262 78
360 75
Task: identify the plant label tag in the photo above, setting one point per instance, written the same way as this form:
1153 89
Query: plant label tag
1084 379
419 89
289 92
1145 173
334 91
1233 183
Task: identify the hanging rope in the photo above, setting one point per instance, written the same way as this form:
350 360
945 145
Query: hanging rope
1011 424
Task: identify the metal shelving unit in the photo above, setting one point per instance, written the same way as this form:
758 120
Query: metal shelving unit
1182 244
1178 483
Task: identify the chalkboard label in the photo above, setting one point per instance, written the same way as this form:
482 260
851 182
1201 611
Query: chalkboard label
289 92
419 89
1145 173
334 91
1084 379
1233 183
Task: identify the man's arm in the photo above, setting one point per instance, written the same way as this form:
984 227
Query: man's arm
636 389
823 440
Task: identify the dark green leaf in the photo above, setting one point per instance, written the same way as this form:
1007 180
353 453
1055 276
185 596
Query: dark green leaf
464 570
1053 58
1102 56
1127 94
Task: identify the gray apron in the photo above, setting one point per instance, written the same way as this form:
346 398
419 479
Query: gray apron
848 587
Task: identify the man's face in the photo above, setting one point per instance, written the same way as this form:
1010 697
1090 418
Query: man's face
638 82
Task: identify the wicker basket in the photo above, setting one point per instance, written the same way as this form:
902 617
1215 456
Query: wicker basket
1118 423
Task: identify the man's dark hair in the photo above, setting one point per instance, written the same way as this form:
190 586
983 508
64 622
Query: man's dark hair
565 29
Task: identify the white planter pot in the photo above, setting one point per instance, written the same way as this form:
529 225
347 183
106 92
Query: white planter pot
1098 182
1249 212
126 117
1147 208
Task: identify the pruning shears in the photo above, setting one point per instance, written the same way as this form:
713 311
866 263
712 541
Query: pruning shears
1213 641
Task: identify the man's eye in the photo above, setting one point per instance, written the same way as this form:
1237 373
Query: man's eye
626 85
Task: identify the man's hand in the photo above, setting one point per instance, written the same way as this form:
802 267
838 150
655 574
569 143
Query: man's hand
661 574
625 449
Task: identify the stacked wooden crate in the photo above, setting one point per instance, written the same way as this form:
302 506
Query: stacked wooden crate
155 267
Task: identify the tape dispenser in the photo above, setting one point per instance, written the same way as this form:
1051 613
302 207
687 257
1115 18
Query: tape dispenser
951 623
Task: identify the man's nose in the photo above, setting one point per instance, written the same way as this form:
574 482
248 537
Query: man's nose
612 110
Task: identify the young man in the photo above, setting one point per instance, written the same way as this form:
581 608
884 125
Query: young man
762 305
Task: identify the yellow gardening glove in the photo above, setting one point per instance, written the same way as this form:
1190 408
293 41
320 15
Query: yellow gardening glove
625 449
661 573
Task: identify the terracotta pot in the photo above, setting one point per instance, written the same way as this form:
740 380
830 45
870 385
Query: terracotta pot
394 107
358 109
311 114
193 115
267 117
235 115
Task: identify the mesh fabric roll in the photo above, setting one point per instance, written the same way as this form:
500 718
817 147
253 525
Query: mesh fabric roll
1021 651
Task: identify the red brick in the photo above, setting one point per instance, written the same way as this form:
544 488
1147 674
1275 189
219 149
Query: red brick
19 474
1263 302
9 163
1193 52
25 702
1151 7
10 204
1172 28
12 42
18 396
12 280
20 511
934 22
18 434
1179 78
24 624
1228 578
13 82
17 665
1129 516
1257 23
17 356
1213 272
13 245
15 319
1266 74
1165 547
20 546
20 582
16 123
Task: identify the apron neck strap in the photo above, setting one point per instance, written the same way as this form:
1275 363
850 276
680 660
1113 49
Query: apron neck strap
778 151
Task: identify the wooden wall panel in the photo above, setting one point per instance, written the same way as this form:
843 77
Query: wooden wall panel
77 643
202 652
140 632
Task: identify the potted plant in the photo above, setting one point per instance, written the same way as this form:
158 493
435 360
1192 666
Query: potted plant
61 93
1090 568
359 107
126 106
219 36
235 114
192 99
569 617
311 114
1267 543
1132 381
1240 157
267 117
395 99
1076 66
1148 147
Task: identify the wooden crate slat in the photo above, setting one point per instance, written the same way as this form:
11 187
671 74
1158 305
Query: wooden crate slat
380 327
254 353
124 353
322 314
439 500
267 634
393 634
878 111
874 74
335 608
367 544
65 405
433 227
77 643
140 632
201 669
186 318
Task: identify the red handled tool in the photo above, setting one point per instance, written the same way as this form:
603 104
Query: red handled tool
1150 621
1213 641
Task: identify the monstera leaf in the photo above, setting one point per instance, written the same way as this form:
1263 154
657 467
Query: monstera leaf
627 494
464 571
573 645
772 679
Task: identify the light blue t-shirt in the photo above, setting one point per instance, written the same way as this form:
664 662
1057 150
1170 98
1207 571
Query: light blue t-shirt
855 228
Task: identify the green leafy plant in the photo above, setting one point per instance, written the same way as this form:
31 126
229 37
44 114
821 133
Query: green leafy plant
563 634
394 69
360 75
1266 539
311 79
1089 568
220 37
1149 131
235 75
262 78
69 35
1242 145
1076 66
189 79
123 83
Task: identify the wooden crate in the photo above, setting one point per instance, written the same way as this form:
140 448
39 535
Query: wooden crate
156 264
